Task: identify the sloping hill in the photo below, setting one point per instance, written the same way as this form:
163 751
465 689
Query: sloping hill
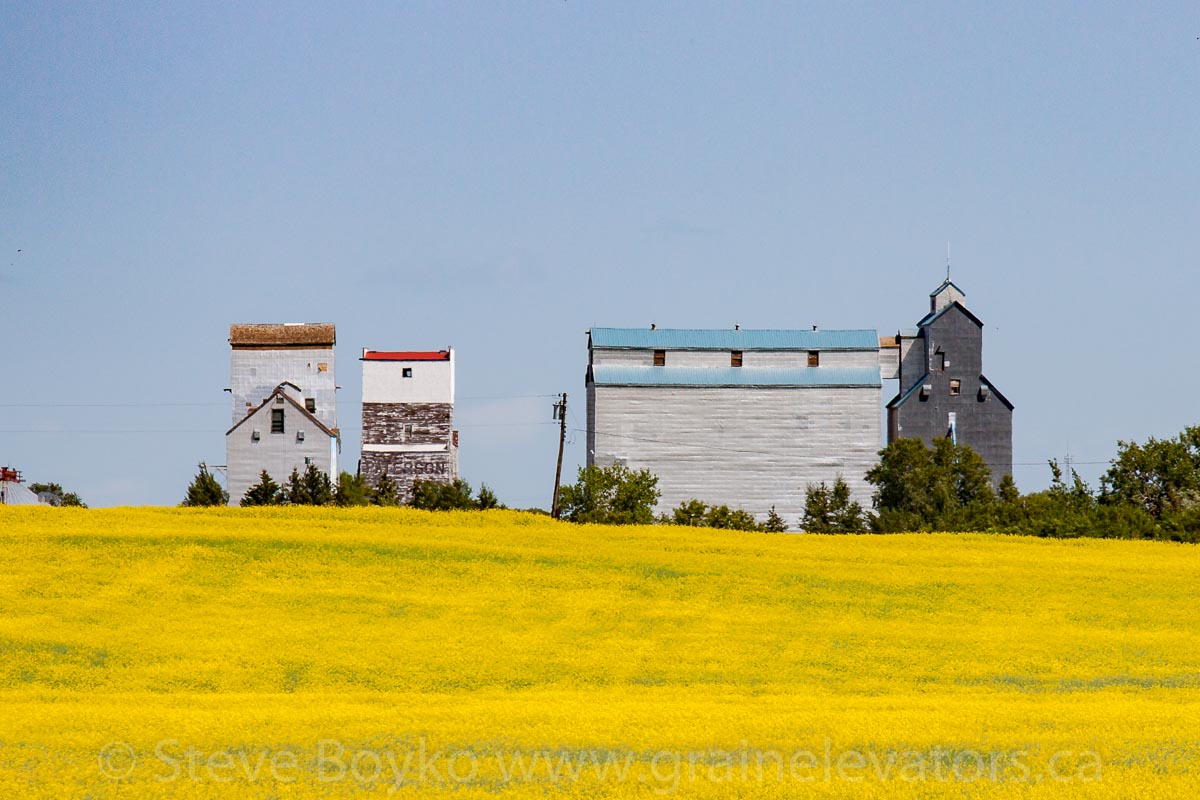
707 663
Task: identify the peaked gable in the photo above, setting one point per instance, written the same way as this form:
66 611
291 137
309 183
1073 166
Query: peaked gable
279 392
933 316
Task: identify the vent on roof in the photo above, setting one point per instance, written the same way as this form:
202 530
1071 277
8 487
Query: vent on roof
984 391
926 390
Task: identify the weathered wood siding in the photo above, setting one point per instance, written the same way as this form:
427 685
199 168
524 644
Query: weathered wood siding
407 423
404 467
751 448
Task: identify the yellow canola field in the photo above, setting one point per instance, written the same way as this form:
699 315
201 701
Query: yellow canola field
325 653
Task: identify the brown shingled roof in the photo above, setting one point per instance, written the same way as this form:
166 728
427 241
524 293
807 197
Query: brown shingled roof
308 334
888 342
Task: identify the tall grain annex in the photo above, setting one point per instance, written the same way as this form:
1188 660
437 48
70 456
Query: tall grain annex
747 418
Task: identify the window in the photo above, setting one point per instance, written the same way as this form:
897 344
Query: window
276 420
660 358
406 372
310 404
735 358
955 388
814 358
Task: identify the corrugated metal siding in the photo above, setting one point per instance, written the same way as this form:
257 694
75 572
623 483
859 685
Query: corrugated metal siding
692 339
14 494
736 376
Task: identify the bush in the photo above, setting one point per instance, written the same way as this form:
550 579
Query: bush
612 495
205 491
829 509
53 494
352 490
264 493
313 488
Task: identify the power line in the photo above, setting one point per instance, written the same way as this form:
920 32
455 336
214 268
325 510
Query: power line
213 404
212 430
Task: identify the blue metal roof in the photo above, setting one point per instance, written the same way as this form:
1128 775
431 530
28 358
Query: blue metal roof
724 339
617 375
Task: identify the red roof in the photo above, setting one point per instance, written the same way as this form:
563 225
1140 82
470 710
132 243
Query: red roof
406 355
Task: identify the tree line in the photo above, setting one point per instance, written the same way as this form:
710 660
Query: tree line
1151 490
314 487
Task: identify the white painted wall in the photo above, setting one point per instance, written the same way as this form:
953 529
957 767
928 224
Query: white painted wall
889 363
256 373
277 453
625 358
799 358
721 358
431 381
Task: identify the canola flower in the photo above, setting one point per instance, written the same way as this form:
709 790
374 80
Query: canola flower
286 652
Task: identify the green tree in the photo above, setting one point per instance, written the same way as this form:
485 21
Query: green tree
264 493
313 488
318 488
205 491
352 490
733 519
442 495
612 495
689 512
386 492
831 509
487 498
774 523
1162 476
922 488
53 494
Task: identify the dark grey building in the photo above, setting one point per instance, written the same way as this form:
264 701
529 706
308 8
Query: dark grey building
943 391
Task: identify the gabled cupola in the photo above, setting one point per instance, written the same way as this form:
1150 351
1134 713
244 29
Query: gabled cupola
944 295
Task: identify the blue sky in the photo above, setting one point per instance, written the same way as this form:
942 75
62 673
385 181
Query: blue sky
501 177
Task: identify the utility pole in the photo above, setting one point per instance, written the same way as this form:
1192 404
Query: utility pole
560 413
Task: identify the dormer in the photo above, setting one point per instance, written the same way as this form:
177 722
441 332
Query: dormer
944 295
